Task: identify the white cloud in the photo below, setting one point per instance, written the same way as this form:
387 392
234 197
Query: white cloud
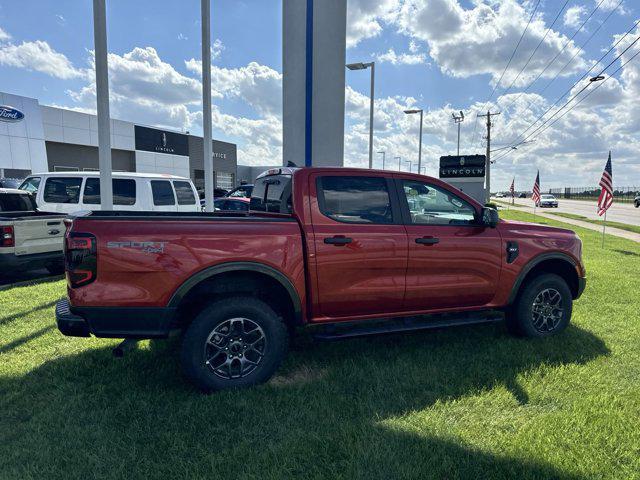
4 35
37 56
182 36
573 17
402 59
480 40
365 19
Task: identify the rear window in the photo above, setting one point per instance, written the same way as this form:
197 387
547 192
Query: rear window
272 194
16 202
62 189
162 193
124 191
184 193
31 184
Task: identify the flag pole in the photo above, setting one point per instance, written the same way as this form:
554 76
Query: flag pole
604 226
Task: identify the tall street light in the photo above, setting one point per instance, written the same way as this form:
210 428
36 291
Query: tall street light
411 112
206 105
364 66
399 160
409 162
384 157
458 119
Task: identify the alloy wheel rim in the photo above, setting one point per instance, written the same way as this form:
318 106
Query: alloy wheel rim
547 310
235 348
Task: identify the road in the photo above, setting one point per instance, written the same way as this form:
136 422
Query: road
619 212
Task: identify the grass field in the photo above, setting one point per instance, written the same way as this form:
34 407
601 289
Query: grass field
621 226
451 404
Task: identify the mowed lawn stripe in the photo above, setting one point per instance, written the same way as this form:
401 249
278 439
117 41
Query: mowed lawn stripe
468 402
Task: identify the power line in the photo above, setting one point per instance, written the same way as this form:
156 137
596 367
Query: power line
566 44
576 104
475 124
575 95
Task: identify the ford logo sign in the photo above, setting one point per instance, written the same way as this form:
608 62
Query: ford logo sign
10 114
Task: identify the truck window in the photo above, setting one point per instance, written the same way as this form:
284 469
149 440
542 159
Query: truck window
16 202
62 189
431 205
124 191
355 199
184 193
162 193
272 194
30 184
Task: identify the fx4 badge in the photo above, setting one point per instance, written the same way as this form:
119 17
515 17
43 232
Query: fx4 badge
147 247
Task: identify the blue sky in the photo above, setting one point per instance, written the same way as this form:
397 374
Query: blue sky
441 55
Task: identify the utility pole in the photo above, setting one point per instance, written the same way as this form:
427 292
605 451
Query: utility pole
399 160
488 166
458 119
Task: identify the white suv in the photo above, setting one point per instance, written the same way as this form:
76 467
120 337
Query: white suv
70 192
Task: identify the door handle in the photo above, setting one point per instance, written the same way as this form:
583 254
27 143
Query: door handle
338 240
427 240
54 232
50 224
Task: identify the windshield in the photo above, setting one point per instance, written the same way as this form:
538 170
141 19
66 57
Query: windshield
548 197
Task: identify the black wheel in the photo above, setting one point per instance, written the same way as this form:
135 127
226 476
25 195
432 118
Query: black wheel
543 307
233 343
56 268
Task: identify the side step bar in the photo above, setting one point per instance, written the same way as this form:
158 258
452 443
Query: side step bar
405 324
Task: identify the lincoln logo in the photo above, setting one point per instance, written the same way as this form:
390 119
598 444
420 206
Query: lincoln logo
10 114
462 162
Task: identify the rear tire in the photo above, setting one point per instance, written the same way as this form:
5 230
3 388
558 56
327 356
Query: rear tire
543 307
233 343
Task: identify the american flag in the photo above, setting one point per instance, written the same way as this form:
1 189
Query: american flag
536 190
606 195
512 189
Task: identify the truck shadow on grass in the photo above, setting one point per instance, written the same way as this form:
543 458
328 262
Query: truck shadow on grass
322 416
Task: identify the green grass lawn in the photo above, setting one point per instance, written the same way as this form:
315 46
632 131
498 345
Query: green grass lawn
469 402
621 226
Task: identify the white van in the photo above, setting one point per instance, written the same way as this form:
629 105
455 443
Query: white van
69 192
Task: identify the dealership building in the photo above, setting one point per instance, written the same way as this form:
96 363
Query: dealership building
38 138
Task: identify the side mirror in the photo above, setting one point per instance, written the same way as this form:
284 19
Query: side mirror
490 217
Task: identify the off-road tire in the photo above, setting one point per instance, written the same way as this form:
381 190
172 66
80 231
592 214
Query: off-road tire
520 317
195 345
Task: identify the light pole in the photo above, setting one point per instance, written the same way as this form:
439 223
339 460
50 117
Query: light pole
206 105
399 159
411 112
458 119
364 66
409 162
384 157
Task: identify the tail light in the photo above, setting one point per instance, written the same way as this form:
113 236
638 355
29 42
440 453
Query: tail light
81 258
7 237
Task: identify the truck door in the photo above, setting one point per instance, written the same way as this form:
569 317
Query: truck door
360 245
453 261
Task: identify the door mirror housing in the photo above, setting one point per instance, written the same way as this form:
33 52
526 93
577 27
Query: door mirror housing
490 217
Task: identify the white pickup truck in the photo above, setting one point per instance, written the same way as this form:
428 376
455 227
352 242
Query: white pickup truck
29 239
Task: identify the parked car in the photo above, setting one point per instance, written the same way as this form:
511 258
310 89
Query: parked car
636 201
360 251
239 204
217 193
500 195
29 239
522 195
10 182
70 192
548 200
242 191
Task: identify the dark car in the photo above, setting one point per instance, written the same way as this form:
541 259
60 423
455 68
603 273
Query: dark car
636 201
230 205
10 182
243 191
522 195
217 193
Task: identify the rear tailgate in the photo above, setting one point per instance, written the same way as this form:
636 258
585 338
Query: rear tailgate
40 233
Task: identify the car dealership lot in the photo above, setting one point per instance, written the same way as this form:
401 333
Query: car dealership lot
461 403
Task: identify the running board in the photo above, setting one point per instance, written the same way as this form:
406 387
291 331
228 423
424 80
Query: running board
338 331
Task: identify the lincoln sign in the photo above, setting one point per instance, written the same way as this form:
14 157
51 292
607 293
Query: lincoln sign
463 166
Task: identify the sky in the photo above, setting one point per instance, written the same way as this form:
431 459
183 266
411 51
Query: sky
439 55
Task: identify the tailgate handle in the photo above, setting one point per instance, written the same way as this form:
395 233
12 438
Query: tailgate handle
51 224
427 240
54 232
338 240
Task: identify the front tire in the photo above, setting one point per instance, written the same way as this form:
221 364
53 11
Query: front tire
543 307
233 343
